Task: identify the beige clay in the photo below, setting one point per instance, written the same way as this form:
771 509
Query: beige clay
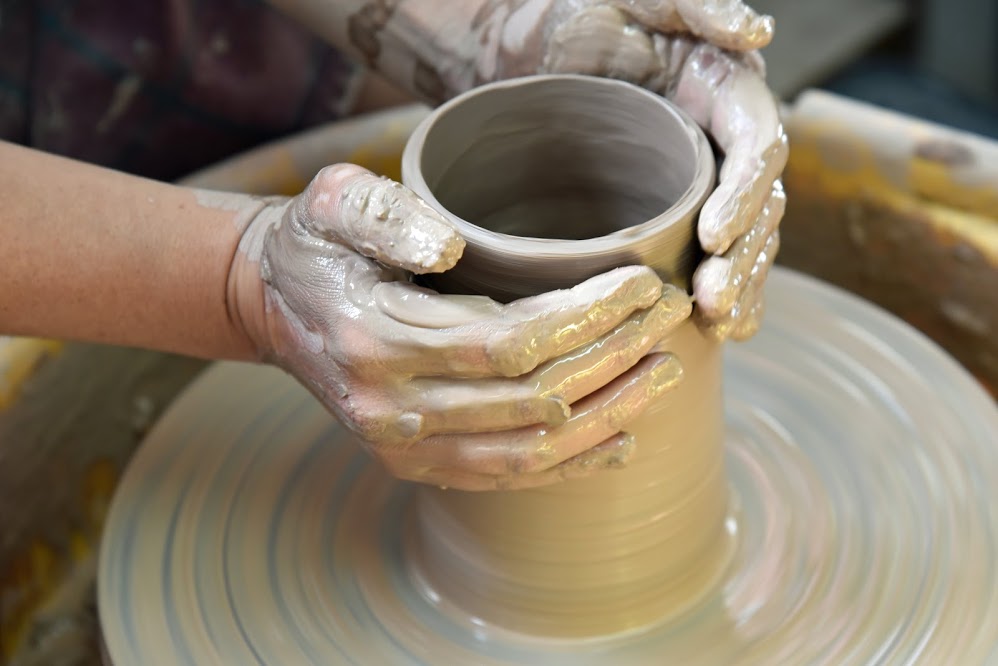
552 180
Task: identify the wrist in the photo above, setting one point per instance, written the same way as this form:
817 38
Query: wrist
246 289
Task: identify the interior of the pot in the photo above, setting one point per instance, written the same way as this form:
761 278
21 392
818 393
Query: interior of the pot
563 159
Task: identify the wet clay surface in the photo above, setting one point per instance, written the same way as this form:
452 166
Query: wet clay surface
250 529
547 179
552 180
598 555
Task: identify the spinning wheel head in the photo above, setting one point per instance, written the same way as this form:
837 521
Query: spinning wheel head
249 529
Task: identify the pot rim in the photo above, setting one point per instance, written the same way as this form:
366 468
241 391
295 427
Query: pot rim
689 202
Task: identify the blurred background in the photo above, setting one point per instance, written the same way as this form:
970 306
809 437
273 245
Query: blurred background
935 59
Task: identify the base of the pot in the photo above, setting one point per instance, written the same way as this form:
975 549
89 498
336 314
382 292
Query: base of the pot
250 530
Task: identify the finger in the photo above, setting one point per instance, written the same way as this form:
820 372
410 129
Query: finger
543 396
732 102
754 300
537 448
744 186
378 218
751 319
525 333
590 368
755 62
536 329
614 453
479 405
729 24
720 280
420 307
742 322
601 41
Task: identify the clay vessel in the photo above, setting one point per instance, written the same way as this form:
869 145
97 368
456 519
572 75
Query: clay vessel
551 180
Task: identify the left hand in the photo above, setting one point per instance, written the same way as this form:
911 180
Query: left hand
459 391
701 56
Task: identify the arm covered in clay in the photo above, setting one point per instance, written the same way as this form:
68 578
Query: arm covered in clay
452 390
701 54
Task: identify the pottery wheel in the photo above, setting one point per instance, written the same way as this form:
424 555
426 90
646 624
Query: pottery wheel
250 529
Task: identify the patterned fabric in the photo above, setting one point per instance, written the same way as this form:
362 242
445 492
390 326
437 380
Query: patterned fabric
161 87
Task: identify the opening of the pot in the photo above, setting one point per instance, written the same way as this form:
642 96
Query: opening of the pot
558 159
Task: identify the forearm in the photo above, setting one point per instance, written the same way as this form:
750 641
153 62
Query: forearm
95 255
434 49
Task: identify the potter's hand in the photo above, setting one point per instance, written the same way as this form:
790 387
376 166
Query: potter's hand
726 94
701 54
457 391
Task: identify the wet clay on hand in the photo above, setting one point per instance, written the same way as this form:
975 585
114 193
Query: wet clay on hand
613 552
550 180
862 522
457 391
703 56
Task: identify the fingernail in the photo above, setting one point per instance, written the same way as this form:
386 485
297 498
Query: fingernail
666 376
762 30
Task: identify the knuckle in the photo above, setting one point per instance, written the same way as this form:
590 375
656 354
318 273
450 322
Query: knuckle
510 355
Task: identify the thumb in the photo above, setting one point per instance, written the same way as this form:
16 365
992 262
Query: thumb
378 218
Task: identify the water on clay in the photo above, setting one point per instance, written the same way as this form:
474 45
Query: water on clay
251 530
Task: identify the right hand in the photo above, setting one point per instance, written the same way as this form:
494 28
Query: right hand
457 391
701 55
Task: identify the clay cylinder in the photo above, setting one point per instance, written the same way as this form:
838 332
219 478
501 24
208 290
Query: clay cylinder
551 180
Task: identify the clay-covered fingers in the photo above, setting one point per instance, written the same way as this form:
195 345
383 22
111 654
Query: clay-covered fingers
743 320
601 41
539 328
513 339
378 218
721 280
751 319
613 453
732 102
534 449
589 368
744 185
729 24
478 405
544 395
